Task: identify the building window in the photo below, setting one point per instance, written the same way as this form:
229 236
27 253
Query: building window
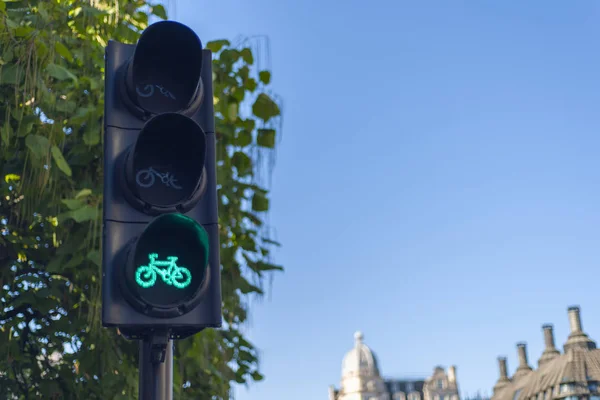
566 387
594 397
399 396
593 386
440 383
409 386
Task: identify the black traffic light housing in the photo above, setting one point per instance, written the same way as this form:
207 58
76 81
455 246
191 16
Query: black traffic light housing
161 268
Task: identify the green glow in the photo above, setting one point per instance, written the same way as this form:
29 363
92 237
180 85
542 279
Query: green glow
173 275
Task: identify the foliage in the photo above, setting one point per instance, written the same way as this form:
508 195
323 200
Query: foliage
52 344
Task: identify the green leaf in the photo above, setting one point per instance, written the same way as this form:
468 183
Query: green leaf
246 287
75 261
260 202
244 72
248 124
271 241
10 23
55 265
263 266
243 138
60 73
230 56
264 76
38 145
95 84
247 56
10 74
2 7
95 257
257 376
217 45
60 161
250 84
42 49
63 51
73 204
23 31
87 213
6 132
43 12
159 11
66 106
265 108
91 136
8 54
266 138
26 124
82 113
242 163
83 193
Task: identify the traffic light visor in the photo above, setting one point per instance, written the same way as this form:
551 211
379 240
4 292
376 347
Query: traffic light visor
168 263
164 74
166 164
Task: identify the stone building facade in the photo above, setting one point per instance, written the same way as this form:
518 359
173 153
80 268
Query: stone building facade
573 374
362 380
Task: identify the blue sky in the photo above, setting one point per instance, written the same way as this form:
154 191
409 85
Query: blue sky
437 185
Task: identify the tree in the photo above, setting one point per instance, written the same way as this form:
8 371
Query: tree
52 344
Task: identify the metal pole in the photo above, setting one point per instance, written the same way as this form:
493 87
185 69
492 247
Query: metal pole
166 374
156 368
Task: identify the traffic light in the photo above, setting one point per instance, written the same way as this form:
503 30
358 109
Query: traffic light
161 268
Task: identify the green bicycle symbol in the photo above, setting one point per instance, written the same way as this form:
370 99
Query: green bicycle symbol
174 275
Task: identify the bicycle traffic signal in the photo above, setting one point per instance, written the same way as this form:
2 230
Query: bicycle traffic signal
161 268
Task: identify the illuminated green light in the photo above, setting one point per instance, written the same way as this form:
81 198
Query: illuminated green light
173 275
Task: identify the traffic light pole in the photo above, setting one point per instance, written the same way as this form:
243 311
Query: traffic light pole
156 367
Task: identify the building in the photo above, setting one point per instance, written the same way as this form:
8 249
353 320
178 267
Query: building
476 396
571 375
362 380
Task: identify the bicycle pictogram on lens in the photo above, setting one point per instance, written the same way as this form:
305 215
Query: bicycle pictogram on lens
146 178
173 275
148 91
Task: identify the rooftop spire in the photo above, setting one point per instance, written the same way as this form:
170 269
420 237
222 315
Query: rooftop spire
358 337
524 367
577 338
503 380
550 352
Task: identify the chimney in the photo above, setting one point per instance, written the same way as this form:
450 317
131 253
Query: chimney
524 367
522 350
548 336
503 380
577 338
503 368
452 374
550 352
574 319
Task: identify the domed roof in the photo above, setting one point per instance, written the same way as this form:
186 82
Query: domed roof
360 360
